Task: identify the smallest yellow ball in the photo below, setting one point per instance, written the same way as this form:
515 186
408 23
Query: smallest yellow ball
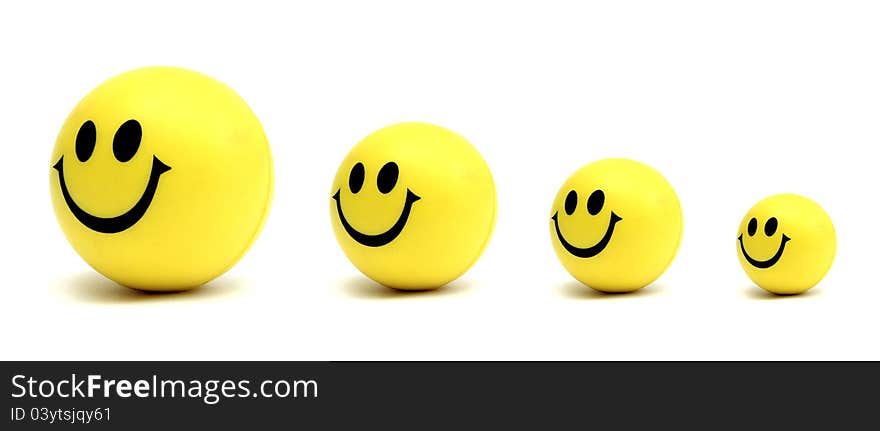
786 244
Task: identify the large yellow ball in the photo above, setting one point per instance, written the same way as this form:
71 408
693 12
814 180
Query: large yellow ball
413 206
161 178
616 225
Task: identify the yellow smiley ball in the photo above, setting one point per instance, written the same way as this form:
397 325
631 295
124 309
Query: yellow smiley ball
786 244
616 225
161 178
413 206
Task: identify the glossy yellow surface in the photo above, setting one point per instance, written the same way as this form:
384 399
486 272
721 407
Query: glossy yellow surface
786 244
616 225
413 206
169 183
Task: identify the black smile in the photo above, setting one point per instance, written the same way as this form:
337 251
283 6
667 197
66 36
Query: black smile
121 222
763 264
384 237
589 251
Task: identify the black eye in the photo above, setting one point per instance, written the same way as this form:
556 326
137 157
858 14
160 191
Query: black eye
387 178
127 140
753 226
85 140
356 178
595 202
770 227
571 202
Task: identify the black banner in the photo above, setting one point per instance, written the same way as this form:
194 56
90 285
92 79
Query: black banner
414 395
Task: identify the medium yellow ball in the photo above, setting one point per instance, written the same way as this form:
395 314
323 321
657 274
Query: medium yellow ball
616 225
786 244
413 206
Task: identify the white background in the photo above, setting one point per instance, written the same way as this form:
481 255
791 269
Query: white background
731 101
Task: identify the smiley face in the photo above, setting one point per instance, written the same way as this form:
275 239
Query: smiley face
385 182
786 244
125 144
161 178
615 225
770 228
413 206
594 206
